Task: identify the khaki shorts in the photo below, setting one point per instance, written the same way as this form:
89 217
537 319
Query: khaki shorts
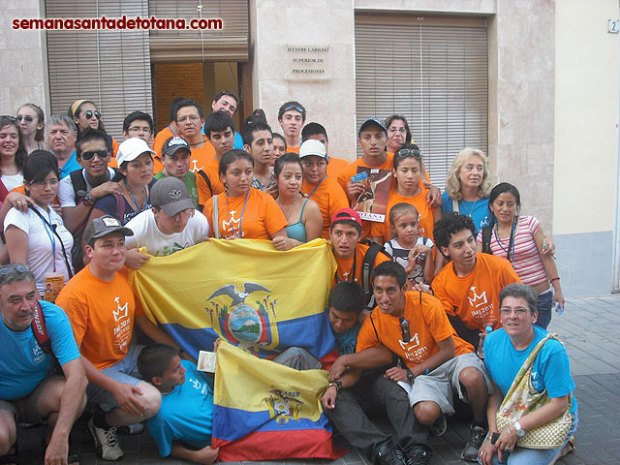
441 383
26 409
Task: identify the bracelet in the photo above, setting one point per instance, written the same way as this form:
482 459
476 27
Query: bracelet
88 200
337 384
557 278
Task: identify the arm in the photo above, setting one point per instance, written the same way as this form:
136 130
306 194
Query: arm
17 245
313 221
487 450
205 456
434 198
446 352
281 240
348 379
550 267
14 200
135 259
153 332
72 403
369 358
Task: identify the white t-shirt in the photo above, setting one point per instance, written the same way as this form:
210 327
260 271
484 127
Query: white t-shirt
44 249
147 234
12 181
66 194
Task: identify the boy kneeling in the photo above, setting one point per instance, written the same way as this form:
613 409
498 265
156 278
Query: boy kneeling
182 428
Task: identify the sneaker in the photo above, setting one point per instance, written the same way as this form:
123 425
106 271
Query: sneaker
106 442
440 426
388 455
470 452
418 456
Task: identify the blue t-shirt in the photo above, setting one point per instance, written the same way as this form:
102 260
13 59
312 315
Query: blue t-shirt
70 165
478 211
551 369
186 413
346 342
23 365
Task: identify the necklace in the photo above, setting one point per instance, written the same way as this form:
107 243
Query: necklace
291 208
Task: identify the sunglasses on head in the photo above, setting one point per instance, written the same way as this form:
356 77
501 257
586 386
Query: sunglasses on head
86 156
294 106
10 118
405 153
26 118
89 114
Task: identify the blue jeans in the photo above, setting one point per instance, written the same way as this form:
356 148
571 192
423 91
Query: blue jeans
523 456
545 302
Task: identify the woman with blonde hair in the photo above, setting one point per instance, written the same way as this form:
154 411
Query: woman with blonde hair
31 121
468 186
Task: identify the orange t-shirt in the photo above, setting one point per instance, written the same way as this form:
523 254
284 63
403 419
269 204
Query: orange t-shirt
335 167
158 144
292 148
474 298
102 315
329 197
426 218
428 325
346 266
214 186
351 170
201 156
261 219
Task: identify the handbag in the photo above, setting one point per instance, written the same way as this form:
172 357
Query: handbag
522 399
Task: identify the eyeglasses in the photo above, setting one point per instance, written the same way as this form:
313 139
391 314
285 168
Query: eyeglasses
44 184
191 118
86 156
405 331
294 106
26 118
89 114
139 129
517 310
405 153
395 130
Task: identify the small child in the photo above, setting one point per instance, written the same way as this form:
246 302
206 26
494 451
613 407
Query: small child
412 252
186 414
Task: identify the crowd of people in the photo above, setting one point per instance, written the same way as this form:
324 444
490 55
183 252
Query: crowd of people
438 302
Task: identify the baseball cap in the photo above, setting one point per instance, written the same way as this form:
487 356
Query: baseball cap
131 149
372 121
103 226
174 144
170 194
313 147
346 214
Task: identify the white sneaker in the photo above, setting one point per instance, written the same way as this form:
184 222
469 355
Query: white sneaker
106 442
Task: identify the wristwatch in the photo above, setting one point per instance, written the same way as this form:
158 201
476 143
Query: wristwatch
410 376
519 430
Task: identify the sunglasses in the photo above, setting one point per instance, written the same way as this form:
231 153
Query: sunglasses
10 118
26 118
87 156
294 106
89 114
14 268
405 331
405 153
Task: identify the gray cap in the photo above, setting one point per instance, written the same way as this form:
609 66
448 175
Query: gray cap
103 226
174 144
170 194
372 121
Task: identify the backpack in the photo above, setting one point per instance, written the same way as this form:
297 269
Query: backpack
40 330
367 265
486 240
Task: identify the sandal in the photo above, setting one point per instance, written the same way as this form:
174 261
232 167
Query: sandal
569 448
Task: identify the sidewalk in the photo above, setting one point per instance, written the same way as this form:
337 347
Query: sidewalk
590 330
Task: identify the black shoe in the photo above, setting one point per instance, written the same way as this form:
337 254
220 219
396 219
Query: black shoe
419 455
470 451
386 454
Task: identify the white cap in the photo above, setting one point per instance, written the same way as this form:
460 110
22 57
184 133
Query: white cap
131 149
313 147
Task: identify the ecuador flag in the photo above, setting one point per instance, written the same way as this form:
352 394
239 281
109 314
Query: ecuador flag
243 291
266 411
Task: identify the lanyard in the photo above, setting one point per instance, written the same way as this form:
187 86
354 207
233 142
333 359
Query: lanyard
135 201
351 276
245 203
511 242
50 234
315 188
